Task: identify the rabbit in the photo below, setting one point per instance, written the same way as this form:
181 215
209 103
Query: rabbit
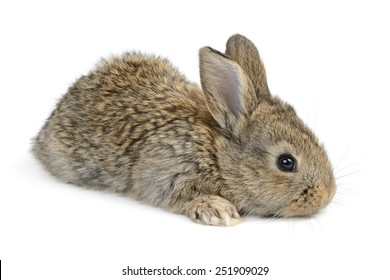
135 125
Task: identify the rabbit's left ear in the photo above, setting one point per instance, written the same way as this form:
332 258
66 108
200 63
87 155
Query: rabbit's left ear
228 92
244 52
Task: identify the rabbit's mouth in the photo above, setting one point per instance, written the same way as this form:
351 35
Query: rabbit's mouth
310 201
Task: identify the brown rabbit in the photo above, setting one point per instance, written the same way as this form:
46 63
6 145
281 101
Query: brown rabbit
136 126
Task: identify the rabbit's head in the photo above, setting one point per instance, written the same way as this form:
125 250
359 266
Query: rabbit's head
271 162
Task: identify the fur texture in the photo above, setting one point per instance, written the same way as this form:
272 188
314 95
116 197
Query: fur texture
136 126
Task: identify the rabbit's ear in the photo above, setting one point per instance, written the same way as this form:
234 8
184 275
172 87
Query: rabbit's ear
226 87
245 53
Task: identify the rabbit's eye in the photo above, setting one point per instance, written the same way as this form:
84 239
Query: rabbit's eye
286 163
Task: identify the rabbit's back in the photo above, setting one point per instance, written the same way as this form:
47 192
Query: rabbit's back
126 107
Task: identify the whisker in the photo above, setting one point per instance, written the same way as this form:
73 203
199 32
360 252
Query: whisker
356 163
337 202
313 120
346 175
347 191
291 225
345 153
274 216
309 222
269 219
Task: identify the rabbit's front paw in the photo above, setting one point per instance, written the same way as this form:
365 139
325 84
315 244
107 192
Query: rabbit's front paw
213 210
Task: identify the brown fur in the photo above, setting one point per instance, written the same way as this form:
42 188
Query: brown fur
135 125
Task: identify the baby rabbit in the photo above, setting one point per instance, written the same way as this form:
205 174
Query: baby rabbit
135 125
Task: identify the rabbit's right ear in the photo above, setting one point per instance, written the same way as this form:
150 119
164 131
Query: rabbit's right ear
228 92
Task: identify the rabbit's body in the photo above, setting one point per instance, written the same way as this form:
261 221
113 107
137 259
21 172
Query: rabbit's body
135 125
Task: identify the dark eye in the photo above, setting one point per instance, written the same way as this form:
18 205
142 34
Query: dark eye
286 163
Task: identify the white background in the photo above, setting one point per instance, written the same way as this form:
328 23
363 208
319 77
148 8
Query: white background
329 59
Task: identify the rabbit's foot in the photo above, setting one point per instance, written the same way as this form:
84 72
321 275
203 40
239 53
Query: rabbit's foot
213 210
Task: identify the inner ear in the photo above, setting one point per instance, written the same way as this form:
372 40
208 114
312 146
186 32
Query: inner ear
228 88
225 87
